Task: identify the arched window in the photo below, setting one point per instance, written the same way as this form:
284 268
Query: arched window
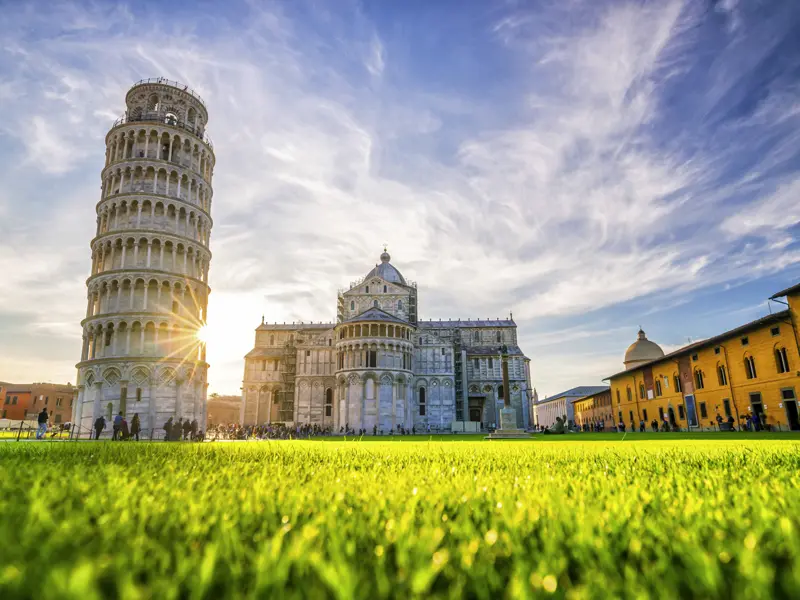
658 387
501 392
722 376
170 119
641 391
399 305
698 379
422 402
152 103
618 397
677 381
781 360
750 367
272 340
628 391
328 402
109 411
352 305
384 289
375 303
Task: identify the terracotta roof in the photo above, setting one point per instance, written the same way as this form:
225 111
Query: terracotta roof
778 316
786 292
265 353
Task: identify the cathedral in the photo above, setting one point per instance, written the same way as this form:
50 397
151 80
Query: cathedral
380 367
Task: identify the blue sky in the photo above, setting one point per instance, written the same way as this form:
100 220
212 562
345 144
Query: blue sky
592 166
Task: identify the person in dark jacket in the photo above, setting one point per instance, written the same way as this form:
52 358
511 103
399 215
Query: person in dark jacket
187 427
117 425
99 425
136 426
168 430
42 420
193 428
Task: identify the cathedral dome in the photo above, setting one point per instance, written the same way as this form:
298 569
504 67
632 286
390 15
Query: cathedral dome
642 351
386 271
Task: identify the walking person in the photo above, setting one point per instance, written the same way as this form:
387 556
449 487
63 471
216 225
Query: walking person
42 420
99 426
168 430
124 433
187 427
117 426
136 426
193 428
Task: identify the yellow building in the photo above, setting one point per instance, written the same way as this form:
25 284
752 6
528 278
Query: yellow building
752 369
595 411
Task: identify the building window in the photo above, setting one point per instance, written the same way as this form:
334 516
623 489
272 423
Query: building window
477 364
46 400
628 393
726 406
618 401
745 341
367 289
698 379
275 365
658 387
703 411
660 413
775 331
644 414
491 363
499 337
476 336
678 386
630 414
782 360
138 394
375 303
641 391
384 289
755 403
8 399
422 402
308 352
399 305
58 402
722 375
694 357
681 413
750 367
352 305
373 358
501 393
788 394
329 402
14 401
443 352
109 411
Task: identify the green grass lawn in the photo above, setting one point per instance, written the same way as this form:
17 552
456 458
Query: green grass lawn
568 518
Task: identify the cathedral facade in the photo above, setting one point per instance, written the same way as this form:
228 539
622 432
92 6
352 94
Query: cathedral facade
380 367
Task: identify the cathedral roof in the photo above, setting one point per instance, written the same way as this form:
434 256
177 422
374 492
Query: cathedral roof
469 323
376 314
265 353
492 350
293 326
643 349
387 271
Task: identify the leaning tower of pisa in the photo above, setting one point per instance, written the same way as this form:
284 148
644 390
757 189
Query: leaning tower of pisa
148 288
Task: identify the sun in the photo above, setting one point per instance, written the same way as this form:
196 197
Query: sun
202 334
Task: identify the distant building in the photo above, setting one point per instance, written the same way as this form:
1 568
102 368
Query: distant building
752 369
561 405
381 366
25 401
594 409
223 410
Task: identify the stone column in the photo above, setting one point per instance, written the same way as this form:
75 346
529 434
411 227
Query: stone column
77 411
151 406
178 399
96 408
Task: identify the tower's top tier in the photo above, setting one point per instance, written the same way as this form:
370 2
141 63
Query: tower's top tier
167 101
